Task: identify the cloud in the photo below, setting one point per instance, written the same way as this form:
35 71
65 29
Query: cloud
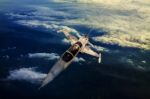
126 22
91 1
26 74
30 74
6 57
79 59
134 62
23 2
13 15
47 25
104 2
52 56
39 12
66 41
48 56
126 40
46 11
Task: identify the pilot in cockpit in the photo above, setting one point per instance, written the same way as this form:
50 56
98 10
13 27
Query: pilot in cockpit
75 47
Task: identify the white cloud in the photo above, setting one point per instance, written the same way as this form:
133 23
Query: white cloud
143 61
48 25
66 41
91 1
52 56
38 12
13 15
134 62
37 23
46 11
105 2
26 74
6 57
30 74
128 61
79 59
126 40
45 25
48 56
125 21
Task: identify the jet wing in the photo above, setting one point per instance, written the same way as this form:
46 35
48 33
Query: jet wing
70 37
89 51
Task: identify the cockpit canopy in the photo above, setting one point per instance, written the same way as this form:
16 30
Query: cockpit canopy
72 51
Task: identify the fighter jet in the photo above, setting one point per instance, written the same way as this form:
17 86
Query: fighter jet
80 45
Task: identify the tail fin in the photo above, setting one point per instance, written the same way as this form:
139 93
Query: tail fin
99 58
